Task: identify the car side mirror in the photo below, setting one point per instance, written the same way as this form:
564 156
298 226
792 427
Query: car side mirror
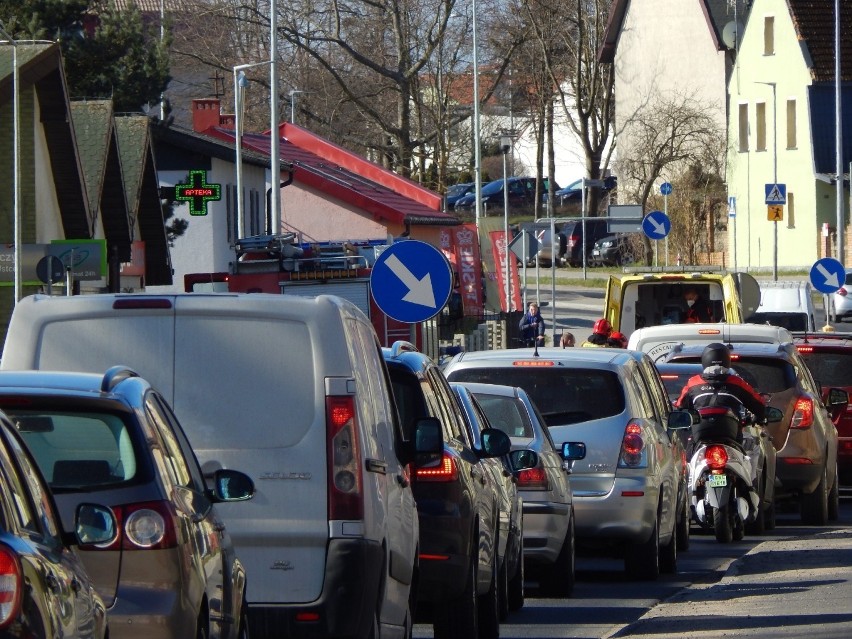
495 443
94 525
523 459
837 397
231 485
774 415
572 451
683 419
428 436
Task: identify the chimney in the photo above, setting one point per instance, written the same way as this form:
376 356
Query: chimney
205 114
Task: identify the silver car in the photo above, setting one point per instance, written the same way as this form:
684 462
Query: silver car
549 530
626 488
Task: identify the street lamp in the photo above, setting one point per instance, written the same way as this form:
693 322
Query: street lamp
16 162
505 147
293 94
477 159
240 83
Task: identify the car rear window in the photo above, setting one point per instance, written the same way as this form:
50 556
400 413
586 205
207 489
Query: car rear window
790 321
504 412
830 368
79 450
674 383
764 374
563 395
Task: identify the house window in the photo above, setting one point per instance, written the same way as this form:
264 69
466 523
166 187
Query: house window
760 116
791 123
769 35
254 213
743 119
231 207
791 211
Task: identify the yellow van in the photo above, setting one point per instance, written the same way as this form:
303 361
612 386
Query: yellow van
655 296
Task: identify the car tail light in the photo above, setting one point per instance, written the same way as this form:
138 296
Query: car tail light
573 240
633 453
805 349
345 496
447 470
841 291
148 525
533 479
716 457
803 413
10 586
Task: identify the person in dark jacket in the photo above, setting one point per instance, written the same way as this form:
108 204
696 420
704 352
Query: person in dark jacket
601 330
532 326
697 308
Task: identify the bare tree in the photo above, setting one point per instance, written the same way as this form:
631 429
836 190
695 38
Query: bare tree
669 135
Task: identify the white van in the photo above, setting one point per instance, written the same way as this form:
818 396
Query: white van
657 341
786 303
294 388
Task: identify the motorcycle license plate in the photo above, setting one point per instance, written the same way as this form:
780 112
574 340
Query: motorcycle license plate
717 481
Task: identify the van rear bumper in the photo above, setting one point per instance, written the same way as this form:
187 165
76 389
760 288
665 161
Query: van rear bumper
344 609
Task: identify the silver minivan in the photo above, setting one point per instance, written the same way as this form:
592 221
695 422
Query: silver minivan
294 391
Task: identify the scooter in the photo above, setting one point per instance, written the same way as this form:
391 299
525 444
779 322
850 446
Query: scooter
721 475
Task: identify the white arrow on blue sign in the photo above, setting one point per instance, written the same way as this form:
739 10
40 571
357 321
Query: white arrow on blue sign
656 225
666 188
411 281
828 275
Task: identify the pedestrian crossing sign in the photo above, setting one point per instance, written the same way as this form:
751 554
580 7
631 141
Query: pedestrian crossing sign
776 194
775 213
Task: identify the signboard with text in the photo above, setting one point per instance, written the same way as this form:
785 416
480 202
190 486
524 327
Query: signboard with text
87 259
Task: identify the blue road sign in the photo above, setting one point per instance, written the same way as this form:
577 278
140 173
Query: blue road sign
828 275
411 281
776 194
656 225
666 188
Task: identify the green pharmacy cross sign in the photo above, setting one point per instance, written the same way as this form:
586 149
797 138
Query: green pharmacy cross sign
198 193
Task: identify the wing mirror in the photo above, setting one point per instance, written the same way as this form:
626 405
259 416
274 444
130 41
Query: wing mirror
428 436
683 419
837 397
523 459
774 415
571 452
94 525
231 485
495 443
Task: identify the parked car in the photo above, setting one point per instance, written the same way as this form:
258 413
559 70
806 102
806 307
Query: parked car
570 233
574 191
456 192
627 491
293 389
842 300
829 358
805 439
675 375
172 570
45 590
510 537
549 523
457 503
787 304
612 250
521 195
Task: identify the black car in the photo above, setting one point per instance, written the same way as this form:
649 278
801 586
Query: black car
576 233
455 192
44 589
573 193
457 502
612 250
521 195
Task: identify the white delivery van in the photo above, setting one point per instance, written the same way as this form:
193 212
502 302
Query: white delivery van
657 341
294 388
787 304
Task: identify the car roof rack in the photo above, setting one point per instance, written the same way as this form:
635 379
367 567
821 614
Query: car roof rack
675 268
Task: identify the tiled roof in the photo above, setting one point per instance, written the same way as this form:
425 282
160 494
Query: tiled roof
154 6
814 22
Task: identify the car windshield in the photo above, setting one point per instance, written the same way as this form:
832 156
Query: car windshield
458 189
830 368
564 396
78 450
504 412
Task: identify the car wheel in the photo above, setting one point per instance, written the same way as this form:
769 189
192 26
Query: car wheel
723 527
503 589
834 500
668 554
769 516
459 618
643 560
557 579
201 629
814 506
243 632
758 526
515 594
683 527
489 605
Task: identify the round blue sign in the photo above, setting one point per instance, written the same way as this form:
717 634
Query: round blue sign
411 281
656 225
828 275
666 188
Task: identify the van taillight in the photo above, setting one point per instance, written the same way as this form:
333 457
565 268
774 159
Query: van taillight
345 499
533 479
841 291
147 525
10 586
633 453
446 470
803 413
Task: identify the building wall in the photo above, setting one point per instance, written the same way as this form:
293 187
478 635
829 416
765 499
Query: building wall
749 171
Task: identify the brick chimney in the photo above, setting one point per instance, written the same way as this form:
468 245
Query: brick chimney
207 112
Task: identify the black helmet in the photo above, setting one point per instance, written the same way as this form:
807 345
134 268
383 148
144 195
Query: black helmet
716 355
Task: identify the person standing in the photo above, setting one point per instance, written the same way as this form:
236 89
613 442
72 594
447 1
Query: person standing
532 326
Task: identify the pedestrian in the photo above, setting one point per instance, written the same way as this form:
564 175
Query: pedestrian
567 340
532 326
600 333
697 308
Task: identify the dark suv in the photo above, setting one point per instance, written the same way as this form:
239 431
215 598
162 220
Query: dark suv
829 358
458 502
805 439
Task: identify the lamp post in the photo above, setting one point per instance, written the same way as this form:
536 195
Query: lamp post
505 147
275 139
240 83
477 159
16 161
838 135
293 94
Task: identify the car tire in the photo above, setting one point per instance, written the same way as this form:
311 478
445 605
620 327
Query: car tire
834 500
642 561
683 527
557 579
515 591
758 526
459 617
668 554
503 589
489 605
814 505
243 631
201 629
769 516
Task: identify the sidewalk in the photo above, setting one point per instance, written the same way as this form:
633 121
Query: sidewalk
799 587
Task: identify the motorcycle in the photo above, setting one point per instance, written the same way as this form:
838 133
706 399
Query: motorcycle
721 475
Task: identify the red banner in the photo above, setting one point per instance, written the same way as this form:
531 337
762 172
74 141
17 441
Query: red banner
462 250
499 248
